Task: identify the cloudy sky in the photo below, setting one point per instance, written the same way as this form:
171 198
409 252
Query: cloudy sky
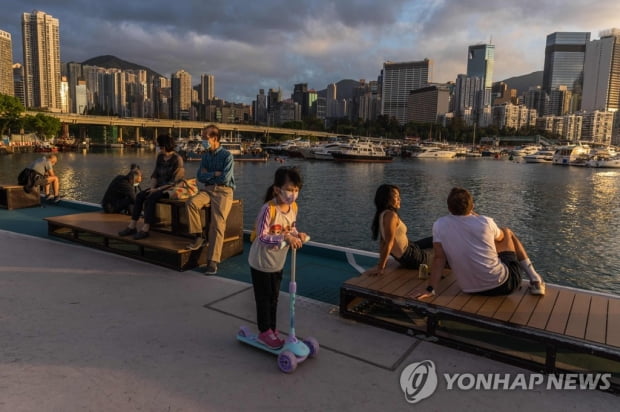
253 44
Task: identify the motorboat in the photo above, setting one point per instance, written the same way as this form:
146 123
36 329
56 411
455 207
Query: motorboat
574 155
604 162
364 151
526 150
432 151
541 156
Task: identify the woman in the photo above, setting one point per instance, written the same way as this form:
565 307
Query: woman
392 233
168 171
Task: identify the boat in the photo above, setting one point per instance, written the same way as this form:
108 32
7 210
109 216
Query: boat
574 155
604 162
364 151
324 151
526 150
432 151
541 156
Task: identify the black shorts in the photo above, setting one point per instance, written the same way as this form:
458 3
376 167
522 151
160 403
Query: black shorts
514 276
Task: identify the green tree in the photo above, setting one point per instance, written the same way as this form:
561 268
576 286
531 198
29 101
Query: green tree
11 111
45 126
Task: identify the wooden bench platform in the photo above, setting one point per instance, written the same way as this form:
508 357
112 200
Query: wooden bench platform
100 230
566 330
15 197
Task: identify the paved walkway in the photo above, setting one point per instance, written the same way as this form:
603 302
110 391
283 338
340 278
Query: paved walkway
81 329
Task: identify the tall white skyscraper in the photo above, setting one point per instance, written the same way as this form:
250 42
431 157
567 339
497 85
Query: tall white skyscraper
399 79
181 91
480 63
6 64
42 71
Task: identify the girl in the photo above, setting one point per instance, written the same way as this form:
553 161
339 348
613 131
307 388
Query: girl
392 233
276 223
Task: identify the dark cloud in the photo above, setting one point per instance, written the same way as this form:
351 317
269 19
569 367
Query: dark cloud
249 45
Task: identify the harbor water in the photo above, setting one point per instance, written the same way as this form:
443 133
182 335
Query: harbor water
568 218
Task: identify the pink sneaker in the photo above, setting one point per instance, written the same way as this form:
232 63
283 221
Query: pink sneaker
270 340
282 341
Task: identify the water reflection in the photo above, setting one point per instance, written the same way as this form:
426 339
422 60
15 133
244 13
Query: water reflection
567 217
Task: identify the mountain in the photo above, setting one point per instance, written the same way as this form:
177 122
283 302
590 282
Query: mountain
113 62
524 82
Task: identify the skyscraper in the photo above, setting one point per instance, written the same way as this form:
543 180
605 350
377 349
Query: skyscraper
564 60
6 64
480 63
42 69
399 80
206 91
181 91
601 81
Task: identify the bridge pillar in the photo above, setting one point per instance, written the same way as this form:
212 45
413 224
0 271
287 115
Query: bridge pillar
120 134
137 134
65 130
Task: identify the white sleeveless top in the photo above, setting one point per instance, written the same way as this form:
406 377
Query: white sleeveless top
400 239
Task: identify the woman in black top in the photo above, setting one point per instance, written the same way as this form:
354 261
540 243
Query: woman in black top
168 171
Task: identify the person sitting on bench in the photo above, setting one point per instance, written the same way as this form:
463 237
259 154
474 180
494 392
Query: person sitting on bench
485 259
42 174
120 196
168 171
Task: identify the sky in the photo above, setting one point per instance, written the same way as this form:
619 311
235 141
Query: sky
252 44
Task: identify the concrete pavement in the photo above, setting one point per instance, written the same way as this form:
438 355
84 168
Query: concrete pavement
81 329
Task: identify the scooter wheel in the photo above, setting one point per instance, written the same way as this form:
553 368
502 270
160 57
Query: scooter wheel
287 362
244 332
313 345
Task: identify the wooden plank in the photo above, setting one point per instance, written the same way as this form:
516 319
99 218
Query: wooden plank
404 279
578 317
407 287
540 317
613 331
445 297
525 309
509 305
596 329
459 301
474 304
561 310
491 306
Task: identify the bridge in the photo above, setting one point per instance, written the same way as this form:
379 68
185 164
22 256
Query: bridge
168 125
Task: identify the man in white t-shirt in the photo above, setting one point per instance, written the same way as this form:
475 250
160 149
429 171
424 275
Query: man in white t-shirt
484 259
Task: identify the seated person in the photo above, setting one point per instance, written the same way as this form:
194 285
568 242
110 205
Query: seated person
168 171
484 259
42 174
392 233
121 193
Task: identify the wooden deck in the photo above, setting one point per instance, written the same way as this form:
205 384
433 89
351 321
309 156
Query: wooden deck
100 230
567 329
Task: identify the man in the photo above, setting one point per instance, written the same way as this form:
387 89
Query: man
44 168
216 183
120 196
485 259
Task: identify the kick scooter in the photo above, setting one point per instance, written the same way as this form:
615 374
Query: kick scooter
294 351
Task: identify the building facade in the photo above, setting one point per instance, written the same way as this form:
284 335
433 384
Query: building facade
399 79
42 71
601 81
181 94
427 103
6 64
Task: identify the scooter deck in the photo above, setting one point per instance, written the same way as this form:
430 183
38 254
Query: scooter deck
252 341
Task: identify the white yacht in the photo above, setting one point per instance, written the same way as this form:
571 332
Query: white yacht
574 155
432 151
364 151
541 156
526 150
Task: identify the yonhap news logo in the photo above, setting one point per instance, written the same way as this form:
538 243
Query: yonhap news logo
420 380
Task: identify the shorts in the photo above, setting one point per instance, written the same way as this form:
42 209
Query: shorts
514 276
413 256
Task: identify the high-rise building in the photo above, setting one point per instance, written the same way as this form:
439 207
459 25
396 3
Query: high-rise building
18 82
428 103
597 127
399 80
480 62
260 107
181 89
465 93
206 90
601 81
6 64
41 36
564 61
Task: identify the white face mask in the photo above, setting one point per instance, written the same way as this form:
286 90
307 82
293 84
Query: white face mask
288 196
136 184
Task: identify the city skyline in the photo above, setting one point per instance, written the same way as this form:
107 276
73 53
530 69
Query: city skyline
249 46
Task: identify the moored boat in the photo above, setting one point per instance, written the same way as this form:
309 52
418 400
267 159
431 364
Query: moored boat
541 156
364 151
